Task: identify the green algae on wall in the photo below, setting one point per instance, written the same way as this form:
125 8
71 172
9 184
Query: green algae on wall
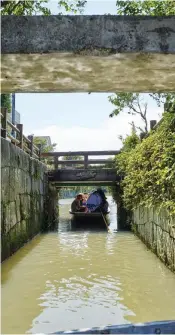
23 194
157 230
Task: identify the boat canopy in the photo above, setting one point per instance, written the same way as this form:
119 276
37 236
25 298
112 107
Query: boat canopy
94 201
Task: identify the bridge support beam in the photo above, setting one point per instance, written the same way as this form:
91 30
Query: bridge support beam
83 176
88 54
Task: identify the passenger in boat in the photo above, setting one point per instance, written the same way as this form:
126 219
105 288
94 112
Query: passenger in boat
77 204
85 197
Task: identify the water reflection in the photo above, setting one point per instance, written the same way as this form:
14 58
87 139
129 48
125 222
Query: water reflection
75 279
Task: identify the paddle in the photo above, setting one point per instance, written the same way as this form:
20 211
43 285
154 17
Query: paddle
108 230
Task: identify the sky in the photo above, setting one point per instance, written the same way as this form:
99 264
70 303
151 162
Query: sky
78 121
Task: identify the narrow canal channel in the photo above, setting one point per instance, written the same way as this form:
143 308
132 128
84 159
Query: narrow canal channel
73 279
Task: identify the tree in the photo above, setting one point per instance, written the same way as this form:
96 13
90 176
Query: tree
6 101
44 146
39 7
157 8
136 104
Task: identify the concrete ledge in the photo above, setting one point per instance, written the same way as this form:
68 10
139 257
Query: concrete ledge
88 53
45 34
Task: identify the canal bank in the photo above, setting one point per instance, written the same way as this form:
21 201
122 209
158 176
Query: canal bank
72 279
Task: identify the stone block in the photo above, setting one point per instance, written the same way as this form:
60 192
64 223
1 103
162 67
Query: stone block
24 161
15 154
10 219
149 235
27 183
173 267
172 227
18 208
163 220
5 153
160 243
15 185
170 245
41 187
25 204
154 244
5 178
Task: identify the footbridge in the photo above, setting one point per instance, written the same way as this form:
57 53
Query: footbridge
82 171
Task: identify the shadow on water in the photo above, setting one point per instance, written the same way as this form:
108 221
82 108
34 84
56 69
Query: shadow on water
86 225
18 256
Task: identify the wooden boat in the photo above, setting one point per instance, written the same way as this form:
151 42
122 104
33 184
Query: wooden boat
159 327
88 214
94 217
90 219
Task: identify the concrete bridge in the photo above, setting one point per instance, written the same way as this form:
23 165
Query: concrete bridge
95 171
88 54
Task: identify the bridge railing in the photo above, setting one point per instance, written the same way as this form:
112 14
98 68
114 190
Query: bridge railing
15 135
85 161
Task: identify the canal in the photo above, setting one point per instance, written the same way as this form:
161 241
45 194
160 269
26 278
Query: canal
73 279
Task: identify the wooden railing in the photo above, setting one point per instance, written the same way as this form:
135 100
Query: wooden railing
85 159
19 139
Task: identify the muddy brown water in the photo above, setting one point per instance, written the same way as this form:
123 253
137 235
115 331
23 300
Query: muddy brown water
80 278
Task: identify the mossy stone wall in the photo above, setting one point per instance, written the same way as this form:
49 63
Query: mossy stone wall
157 230
23 192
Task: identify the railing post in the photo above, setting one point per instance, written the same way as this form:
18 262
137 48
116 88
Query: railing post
20 135
152 124
30 137
56 162
85 161
4 123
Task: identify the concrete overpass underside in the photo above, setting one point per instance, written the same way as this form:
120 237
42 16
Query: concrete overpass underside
88 54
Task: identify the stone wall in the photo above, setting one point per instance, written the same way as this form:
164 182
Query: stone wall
157 230
23 191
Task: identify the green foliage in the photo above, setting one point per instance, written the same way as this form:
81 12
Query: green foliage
44 147
136 105
133 102
73 158
39 7
164 98
129 144
157 8
149 168
6 101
